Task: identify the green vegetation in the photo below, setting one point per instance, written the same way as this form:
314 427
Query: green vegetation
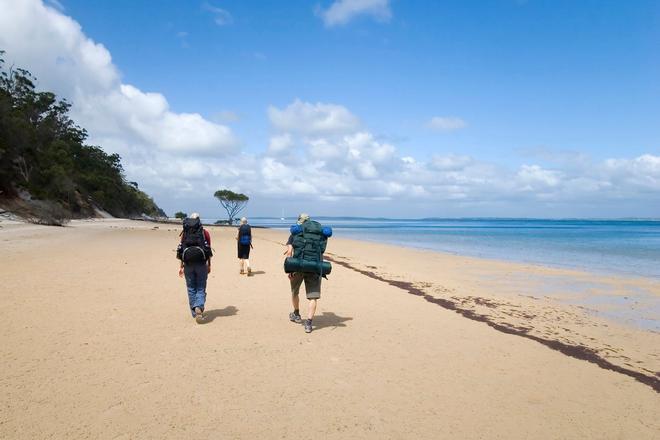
42 152
232 202
180 214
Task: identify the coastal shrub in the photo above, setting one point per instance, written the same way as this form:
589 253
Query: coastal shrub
47 213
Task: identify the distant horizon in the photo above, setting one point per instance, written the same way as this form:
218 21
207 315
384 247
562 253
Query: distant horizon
631 219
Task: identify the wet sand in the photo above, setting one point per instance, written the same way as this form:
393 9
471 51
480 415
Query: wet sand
98 343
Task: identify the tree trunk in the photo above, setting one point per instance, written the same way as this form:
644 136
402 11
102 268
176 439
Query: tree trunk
24 169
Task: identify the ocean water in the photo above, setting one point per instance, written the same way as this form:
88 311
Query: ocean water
625 247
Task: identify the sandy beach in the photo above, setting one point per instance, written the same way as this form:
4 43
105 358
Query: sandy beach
97 342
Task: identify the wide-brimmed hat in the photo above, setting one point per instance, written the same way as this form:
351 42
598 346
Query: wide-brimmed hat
303 217
243 220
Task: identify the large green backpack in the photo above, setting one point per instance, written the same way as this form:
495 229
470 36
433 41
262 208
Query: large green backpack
309 245
309 242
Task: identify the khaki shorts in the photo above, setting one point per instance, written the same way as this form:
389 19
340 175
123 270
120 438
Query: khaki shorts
312 284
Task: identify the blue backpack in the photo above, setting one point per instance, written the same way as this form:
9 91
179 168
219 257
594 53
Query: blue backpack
245 235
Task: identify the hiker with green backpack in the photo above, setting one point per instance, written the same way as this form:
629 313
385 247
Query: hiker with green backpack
304 263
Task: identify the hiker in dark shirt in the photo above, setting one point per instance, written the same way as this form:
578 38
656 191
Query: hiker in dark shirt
244 240
195 265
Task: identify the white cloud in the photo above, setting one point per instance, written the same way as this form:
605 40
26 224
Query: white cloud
53 47
280 143
344 161
313 119
450 163
342 11
647 167
446 123
56 4
221 17
533 177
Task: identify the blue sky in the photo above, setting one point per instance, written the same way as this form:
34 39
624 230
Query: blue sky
437 108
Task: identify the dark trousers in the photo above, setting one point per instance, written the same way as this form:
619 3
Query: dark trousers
196 276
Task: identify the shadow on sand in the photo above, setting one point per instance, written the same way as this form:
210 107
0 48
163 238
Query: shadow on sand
257 272
330 320
210 315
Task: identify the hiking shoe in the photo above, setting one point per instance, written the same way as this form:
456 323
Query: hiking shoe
295 318
249 272
308 325
242 272
199 315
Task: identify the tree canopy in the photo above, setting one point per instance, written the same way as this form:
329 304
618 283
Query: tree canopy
232 202
42 152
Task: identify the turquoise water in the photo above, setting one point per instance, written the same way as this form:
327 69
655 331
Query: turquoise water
626 247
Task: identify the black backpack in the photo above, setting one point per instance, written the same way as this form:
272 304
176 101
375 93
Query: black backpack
193 248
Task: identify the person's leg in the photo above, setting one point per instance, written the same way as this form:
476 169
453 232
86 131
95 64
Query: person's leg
312 309
313 291
202 277
240 258
296 281
295 301
191 286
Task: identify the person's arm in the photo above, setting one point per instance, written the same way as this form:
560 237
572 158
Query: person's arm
208 262
289 247
180 261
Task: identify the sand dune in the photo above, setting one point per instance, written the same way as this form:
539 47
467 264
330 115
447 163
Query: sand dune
97 342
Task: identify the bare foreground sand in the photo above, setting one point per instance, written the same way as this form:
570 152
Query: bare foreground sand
97 342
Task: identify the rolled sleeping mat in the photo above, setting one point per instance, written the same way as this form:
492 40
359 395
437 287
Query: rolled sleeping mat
297 265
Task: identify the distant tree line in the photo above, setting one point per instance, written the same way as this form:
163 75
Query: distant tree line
43 152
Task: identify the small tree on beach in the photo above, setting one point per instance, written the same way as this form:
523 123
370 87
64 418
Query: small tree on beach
232 202
180 214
